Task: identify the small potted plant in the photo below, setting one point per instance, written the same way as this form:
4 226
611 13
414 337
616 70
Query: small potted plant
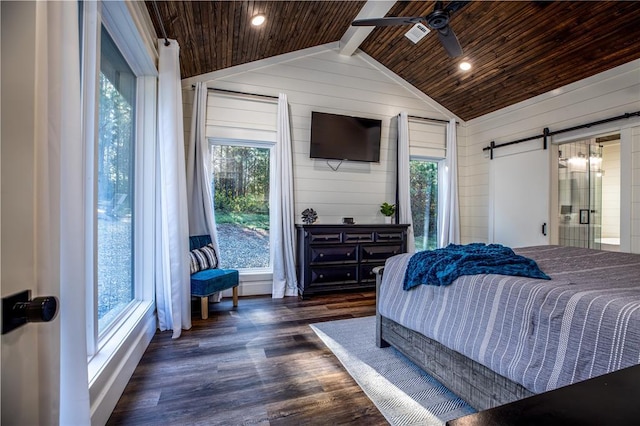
388 210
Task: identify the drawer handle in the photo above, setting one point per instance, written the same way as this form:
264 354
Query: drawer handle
321 276
321 254
348 254
348 274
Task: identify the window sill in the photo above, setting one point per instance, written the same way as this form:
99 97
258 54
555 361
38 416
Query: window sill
110 369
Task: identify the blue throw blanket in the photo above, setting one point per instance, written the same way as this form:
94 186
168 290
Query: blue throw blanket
442 266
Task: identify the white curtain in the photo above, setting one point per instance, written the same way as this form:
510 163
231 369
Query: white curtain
63 387
201 214
404 197
285 282
173 288
450 224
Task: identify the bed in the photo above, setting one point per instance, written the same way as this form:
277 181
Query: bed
494 339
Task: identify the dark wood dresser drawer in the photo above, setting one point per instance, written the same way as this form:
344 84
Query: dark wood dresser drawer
379 252
341 253
390 236
358 237
366 272
328 238
336 274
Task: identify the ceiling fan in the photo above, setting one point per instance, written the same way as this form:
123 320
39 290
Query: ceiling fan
437 20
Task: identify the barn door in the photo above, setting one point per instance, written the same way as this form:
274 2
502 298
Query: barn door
519 198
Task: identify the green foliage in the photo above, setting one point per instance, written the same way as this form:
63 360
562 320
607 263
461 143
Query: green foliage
254 221
240 171
115 150
387 209
251 203
241 186
423 177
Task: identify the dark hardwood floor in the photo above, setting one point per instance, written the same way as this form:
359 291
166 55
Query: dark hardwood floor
259 363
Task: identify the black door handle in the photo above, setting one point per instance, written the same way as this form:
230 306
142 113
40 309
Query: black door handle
19 309
544 229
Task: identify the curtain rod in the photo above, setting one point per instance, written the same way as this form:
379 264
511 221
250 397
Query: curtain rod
236 92
546 132
438 120
164 33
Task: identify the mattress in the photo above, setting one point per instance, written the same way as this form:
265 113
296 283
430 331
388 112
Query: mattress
543 334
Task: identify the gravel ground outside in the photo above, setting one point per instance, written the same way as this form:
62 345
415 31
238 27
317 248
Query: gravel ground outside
242 247
115 289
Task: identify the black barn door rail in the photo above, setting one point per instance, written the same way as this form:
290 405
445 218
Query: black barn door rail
546 132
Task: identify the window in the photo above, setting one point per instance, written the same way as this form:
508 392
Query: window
241 188
427 150
115 178
423 181
118 83
118 89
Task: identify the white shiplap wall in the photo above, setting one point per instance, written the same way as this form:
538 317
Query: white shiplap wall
329 82
605 95
322 80
634 135
611 190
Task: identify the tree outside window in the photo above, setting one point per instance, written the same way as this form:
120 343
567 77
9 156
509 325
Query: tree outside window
241 188
115 175
423 180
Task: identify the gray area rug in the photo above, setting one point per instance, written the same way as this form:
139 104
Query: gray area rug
404 394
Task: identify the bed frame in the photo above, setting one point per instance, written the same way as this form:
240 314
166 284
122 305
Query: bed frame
479 386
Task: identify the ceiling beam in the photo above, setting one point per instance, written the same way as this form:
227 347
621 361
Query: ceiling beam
354 36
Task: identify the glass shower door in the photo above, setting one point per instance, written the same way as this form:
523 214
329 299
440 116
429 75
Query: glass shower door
580 194
595 196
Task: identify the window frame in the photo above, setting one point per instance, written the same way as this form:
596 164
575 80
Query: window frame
254 143
441 162
102 346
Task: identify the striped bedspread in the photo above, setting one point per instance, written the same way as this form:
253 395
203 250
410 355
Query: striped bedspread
582 323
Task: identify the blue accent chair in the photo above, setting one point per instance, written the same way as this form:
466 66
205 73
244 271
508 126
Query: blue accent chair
210 281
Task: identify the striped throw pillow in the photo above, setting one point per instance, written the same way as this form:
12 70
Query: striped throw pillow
203 258
210 254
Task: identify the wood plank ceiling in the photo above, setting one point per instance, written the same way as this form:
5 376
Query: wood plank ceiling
518 49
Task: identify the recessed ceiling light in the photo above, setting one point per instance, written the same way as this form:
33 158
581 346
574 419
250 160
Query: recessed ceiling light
465 66
257 20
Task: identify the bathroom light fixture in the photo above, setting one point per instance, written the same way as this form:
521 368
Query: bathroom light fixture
580 159
257 20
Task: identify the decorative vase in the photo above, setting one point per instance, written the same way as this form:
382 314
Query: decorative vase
388 219
309 216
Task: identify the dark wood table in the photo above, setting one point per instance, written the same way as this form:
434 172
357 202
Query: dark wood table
611 399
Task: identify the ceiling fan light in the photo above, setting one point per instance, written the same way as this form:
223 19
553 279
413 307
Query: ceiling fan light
257 20
465 66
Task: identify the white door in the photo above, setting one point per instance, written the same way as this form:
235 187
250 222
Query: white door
519 198
28 364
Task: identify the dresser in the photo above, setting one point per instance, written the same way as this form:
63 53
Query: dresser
342 257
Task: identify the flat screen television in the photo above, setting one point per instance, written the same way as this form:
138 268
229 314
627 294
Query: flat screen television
342 137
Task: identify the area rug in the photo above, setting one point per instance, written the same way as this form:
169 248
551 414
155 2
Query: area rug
404 394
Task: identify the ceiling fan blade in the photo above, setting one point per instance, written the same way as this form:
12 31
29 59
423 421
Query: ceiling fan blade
450 42
455 5
386 22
